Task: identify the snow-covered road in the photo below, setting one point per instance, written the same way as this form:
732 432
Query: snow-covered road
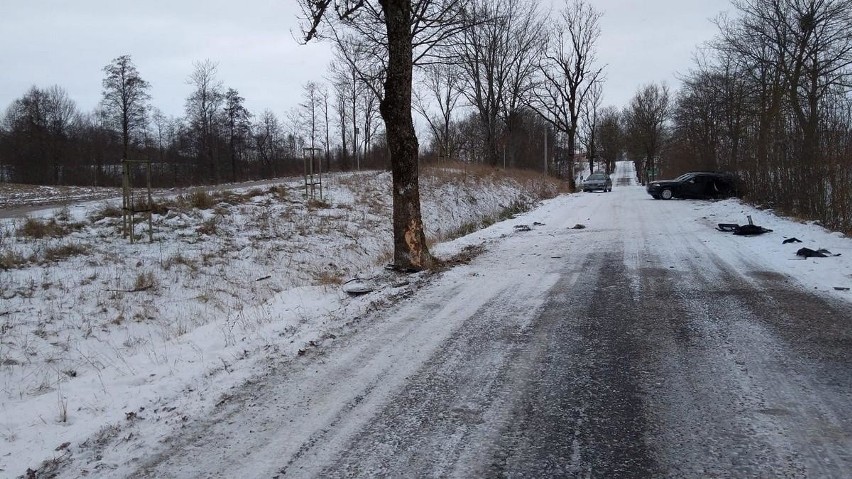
645 344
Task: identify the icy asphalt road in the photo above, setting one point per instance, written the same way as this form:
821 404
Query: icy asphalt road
630 348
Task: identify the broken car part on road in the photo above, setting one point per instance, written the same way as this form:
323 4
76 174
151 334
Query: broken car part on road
750 229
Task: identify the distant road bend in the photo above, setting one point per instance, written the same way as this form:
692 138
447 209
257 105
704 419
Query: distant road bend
629 348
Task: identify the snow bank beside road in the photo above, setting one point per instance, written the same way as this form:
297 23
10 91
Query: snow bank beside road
96 332
768 250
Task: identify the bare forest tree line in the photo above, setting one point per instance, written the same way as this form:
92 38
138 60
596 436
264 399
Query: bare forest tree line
45 139
771 100
475 80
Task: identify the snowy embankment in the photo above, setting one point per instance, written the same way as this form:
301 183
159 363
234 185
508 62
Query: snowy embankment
95 331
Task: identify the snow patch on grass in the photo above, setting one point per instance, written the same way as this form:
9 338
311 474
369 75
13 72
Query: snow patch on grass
94 328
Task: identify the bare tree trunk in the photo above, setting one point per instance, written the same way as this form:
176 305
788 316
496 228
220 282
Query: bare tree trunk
410 250
572 144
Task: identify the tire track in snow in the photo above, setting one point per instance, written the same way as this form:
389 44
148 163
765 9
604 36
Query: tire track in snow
295 418
429 423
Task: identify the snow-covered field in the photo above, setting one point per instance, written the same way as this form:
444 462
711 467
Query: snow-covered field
95 330
109 332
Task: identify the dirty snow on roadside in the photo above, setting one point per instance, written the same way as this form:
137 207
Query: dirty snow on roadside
95 331
225 292
831 275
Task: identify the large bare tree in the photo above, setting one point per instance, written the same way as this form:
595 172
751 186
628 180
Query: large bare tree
500 49
589 133
645 128
125 100
442 84
809 44
61 115
400 33
348 87
569 73
311 113
268 143
238 128
609 137
202 109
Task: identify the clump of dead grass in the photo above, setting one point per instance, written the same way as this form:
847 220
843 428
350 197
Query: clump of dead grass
198 199
107 210
463 230
231 198
518 206
60 253
252 192
328 278
144 281
278 191
37 229
208 227
180 260
157 207
12 260
318 204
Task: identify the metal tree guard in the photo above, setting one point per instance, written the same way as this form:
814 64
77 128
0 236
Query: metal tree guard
132 204
313 172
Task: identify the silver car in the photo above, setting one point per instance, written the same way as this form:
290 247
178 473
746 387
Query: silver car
597 181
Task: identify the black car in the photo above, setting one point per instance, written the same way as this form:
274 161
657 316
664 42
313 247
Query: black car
702 185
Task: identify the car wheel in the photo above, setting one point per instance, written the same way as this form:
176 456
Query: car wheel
666 194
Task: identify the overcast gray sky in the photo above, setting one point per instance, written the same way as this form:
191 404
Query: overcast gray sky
68 42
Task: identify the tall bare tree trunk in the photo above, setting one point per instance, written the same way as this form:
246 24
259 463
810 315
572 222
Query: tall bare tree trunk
410 250
572 145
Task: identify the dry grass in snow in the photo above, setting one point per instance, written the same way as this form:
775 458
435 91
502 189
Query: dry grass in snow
82 309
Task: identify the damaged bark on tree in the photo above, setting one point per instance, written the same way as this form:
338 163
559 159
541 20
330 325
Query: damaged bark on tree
410 250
